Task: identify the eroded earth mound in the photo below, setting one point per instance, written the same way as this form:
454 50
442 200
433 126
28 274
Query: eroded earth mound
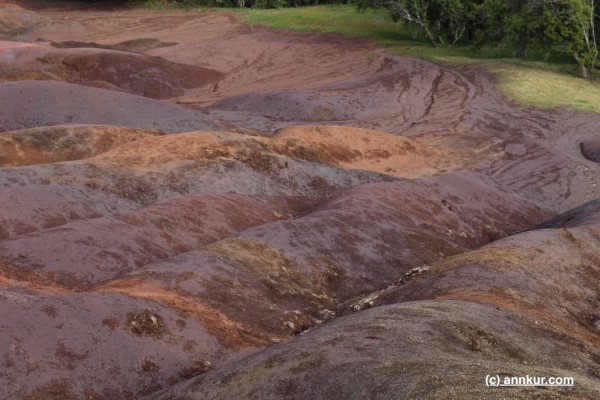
63 143
134 73
15 19
193 208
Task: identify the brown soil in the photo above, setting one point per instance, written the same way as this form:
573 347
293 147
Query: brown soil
179 191
63 143
135 45
356 148
118 70
15 19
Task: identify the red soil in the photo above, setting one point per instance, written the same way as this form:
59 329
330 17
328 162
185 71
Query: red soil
131 259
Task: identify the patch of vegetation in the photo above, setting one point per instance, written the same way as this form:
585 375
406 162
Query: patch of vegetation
547 85
242 4
166 4
374 25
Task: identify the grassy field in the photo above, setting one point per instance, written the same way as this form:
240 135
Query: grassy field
532 82
372 25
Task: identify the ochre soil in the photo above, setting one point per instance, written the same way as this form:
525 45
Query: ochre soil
194 208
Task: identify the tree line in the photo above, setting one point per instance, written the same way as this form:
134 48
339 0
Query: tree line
572 26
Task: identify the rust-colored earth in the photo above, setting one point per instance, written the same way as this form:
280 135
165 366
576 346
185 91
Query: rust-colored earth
193 208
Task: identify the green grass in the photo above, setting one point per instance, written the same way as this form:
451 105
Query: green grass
531 82
374 25
547 85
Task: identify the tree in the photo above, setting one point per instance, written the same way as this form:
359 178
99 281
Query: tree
441 20
566 25
415 12
451 18
577 30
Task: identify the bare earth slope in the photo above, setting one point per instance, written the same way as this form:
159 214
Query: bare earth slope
396 350
15 19
462 318
193 208
135 73
63 143
254 288
31 104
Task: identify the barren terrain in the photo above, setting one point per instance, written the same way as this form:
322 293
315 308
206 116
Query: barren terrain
194 208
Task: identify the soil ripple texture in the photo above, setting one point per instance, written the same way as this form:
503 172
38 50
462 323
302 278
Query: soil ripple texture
194 208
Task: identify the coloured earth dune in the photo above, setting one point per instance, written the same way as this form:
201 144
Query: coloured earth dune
195 208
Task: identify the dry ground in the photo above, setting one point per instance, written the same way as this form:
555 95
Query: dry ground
181 196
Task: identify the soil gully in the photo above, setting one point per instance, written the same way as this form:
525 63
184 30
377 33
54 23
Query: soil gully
180 219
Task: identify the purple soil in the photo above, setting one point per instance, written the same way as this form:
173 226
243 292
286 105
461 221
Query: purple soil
95 345
524 149
48 206
457 320
550 274
268 84
284 277
128 259
31 104
137 74
585 215
168 167
81 253
424 349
